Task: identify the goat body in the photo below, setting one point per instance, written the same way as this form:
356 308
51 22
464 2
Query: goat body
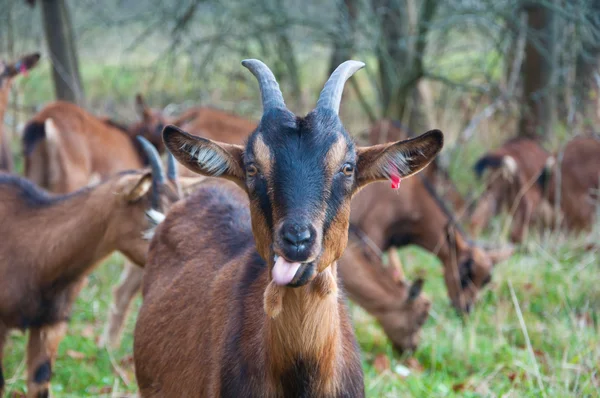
49 244
578 178
516 165
77 146
228 277
412 216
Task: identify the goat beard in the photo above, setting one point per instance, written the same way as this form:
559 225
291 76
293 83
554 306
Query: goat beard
273 299
323 285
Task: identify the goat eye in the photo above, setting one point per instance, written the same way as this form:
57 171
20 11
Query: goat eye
251 170
347 169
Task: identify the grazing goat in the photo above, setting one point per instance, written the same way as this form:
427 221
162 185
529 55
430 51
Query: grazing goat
415 215
382 291
576 171
81 146
7 73
50 243
510 186
241 296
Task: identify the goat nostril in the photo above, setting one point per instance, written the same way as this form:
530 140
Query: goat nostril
296 235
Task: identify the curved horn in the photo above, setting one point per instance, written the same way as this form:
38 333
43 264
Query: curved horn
269 88
158 173
172 172
331 95
171 167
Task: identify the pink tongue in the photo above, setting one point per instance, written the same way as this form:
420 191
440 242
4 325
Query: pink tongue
283 272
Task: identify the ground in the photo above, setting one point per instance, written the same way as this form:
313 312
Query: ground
553 351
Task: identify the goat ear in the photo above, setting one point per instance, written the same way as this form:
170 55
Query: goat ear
398 159
206 157
141 108
136 188
415 289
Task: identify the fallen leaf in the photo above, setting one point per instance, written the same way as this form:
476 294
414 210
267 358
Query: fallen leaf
459 387
381 363
75 354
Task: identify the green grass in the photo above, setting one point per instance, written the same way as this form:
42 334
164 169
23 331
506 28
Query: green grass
481 355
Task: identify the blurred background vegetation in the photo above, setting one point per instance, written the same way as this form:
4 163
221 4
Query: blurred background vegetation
480 70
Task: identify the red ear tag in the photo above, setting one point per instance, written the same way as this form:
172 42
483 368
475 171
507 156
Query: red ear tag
23 69
395 181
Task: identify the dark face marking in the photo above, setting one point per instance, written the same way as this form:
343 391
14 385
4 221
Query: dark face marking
299 174
43 373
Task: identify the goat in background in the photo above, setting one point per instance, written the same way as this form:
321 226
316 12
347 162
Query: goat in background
51 243
8 71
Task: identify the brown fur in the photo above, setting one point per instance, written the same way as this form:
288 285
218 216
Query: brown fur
7 74
384 293
54 242
285 338
509 190
83 145
579 178
216 124
217 280
412 216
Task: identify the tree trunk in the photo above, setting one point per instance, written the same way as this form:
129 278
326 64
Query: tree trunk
537 116
404 28
587 84
62 48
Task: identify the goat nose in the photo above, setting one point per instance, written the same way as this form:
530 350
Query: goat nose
296 234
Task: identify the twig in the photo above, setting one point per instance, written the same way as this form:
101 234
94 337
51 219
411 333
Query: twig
527 341
118 369
489 111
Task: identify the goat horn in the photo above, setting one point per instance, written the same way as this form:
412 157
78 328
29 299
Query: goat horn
331 96
171 167
269 88
158 173
172 174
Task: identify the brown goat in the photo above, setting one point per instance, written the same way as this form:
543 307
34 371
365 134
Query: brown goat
510 186
382 291
252 300
7 74
82 147
578 179
414 215
49 245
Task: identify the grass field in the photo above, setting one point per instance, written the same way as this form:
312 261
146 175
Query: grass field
553 351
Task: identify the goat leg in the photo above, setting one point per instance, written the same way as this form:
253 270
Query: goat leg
129 284
41 355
